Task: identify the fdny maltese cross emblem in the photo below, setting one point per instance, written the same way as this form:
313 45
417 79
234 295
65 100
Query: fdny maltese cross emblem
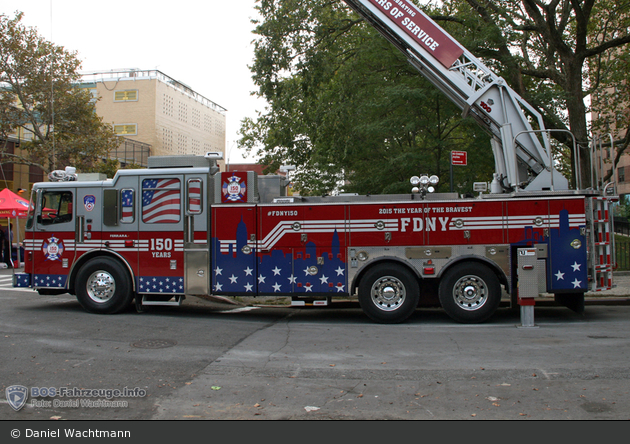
234 190
53 249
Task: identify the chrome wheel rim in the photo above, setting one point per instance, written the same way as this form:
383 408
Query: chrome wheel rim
101 286
470 293
388 293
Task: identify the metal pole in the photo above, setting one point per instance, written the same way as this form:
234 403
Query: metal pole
451 167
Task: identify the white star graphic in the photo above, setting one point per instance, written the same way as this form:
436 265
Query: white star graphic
560 276
233 279
306 271
248 271
218 271
340 288
249 287
292 279
576 283
218 287
276 271
276 287
340 271
261 279
323 279
576 266
309 287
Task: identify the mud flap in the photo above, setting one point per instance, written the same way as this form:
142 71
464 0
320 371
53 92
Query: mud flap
573 301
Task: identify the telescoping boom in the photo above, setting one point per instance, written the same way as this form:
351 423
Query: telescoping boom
521 160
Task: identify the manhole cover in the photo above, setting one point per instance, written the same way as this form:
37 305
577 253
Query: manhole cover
154 343
596 407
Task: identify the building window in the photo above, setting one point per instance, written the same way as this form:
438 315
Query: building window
126 129
621 172
167 105
126 96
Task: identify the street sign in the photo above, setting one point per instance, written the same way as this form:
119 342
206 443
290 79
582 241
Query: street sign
459 158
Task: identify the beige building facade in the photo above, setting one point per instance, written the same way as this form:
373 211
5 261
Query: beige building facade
154 109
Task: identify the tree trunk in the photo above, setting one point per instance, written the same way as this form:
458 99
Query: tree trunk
576 110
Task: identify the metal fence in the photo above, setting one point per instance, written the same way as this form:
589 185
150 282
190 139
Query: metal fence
622 243
622 225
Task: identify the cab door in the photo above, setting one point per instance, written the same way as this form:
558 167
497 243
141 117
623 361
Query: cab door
161 236
54 238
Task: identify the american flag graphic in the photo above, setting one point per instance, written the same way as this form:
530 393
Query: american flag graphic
127 206
161 201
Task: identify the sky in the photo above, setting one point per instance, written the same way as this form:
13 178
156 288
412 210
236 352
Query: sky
205 44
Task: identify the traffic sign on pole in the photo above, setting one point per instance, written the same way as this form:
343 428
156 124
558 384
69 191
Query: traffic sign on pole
459 158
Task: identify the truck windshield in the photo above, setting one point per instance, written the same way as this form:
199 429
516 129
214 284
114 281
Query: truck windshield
31 209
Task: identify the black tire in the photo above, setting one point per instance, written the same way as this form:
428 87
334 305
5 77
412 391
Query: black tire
103 286
470 292
389 294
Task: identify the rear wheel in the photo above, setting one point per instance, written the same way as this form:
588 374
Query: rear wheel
470 292
103 286
389 294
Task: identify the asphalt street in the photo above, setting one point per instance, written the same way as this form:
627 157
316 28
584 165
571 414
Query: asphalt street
216 361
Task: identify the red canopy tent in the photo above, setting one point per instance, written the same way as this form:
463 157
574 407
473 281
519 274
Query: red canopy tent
13 206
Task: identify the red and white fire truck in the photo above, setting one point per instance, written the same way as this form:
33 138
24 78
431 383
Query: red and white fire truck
182 228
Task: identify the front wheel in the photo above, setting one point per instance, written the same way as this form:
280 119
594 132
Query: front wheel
389 294
470 292
103 286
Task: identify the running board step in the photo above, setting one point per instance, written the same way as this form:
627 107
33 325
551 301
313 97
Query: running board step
175 301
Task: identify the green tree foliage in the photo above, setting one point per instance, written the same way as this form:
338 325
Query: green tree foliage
609 74
554 53
39 96
346 108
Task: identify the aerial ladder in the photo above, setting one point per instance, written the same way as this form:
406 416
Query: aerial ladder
523 157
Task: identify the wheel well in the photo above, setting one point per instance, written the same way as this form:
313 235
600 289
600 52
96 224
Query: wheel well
491 265
378 263
91 255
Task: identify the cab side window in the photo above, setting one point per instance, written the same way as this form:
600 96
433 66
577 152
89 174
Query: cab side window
56 207
161 201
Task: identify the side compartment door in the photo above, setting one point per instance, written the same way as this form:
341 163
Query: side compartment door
120 221
196 242
281 243
567 253
234 269
323 269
